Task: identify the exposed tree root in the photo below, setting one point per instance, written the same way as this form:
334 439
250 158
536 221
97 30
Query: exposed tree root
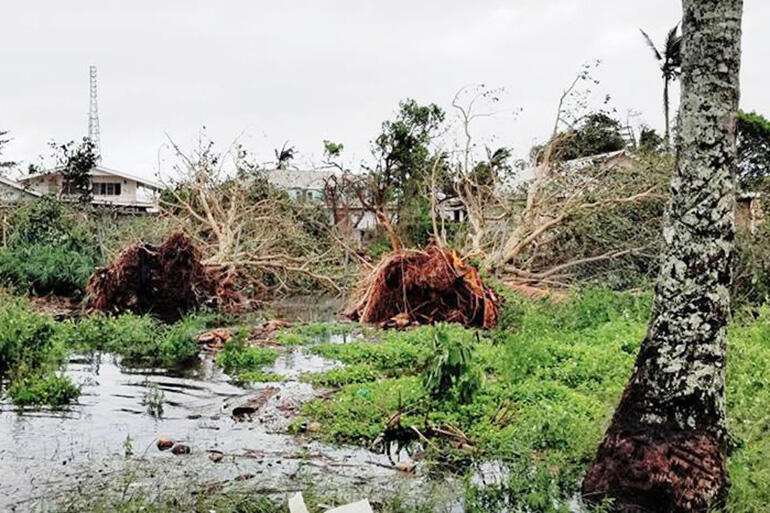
422 287
166 281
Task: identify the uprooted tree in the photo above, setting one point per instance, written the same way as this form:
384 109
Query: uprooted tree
226 205
665 449
515 229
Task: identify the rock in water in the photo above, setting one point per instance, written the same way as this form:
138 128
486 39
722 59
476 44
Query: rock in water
164 443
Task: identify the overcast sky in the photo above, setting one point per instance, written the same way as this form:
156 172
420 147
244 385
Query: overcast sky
309 70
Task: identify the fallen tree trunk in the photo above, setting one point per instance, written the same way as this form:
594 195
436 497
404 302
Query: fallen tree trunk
423 287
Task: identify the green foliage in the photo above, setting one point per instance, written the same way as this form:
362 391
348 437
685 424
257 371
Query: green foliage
257 377
308 333
356 373
43 389
753 146
748 403
76 162
450 373
3 141
43 269
237 357
26 338
49 250
391 355
553 377
597 133
140 340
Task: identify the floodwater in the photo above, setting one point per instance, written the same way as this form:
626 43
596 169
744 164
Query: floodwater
44 454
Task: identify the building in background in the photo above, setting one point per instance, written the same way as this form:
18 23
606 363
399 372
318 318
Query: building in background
109 187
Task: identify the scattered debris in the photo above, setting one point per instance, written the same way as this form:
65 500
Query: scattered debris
166 280
533 292
407 466
180 449
254 403
297 505
214 340
245 477
274 325
58 307
164 443
422 287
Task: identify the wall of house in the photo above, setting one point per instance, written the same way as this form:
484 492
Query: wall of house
53 185
10 194
127 189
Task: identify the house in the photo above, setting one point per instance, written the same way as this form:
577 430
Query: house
13 192
749 214
110 187
301 184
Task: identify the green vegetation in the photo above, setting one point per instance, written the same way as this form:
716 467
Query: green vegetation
36 389
33 347
552 378
141 340
48 250
243 361
303 334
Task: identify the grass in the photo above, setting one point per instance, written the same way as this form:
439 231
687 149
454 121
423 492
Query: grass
141 341
50 389
33 347
42 269
243 361
553 376
304 334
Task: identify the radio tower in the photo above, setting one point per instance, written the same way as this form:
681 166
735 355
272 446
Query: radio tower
93 114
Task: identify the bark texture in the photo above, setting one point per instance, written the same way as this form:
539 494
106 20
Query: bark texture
665 448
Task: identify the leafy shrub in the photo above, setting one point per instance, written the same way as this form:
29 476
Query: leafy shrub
43 269
450 372
26 338
49 389
237 357
50 249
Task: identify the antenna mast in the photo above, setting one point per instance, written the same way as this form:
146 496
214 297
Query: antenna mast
93 114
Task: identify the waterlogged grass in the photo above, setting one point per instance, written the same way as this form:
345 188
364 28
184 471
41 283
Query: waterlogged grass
34 347
304 334
139 340
552 377
49 389
243 361
30 355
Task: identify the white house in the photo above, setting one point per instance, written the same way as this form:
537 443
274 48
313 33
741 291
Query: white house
13 192
110 187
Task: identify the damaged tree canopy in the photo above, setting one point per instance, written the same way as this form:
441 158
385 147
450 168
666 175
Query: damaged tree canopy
166 280
428 286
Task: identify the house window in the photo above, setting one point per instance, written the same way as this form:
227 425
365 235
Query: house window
106 189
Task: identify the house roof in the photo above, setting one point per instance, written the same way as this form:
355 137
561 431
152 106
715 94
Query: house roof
150 184
15 185
300 179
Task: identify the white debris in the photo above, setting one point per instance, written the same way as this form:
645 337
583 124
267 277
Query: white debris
297 505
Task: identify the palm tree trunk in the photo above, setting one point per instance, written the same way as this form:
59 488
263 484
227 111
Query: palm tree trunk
664 450
666 112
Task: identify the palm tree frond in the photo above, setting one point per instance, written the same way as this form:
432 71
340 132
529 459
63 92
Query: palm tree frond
649 42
